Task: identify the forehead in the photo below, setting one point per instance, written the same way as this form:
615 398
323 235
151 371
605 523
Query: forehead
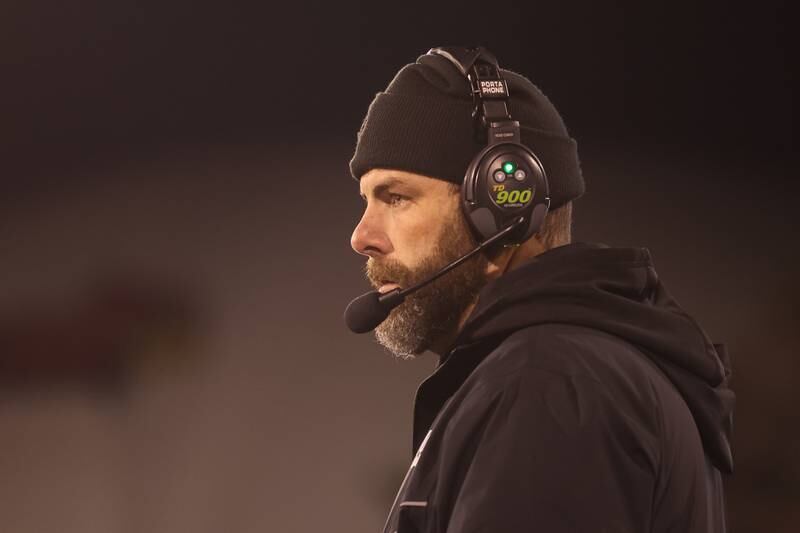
381 178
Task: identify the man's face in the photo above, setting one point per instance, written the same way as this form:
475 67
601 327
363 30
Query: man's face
412 226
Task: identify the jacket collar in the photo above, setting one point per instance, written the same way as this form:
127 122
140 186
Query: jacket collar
437 388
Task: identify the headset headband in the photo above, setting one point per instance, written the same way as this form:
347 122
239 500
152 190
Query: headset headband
489 88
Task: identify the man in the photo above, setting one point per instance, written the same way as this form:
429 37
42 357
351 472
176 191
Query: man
572 392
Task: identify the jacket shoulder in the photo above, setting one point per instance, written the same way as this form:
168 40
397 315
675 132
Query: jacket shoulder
569 370
537 427
575 352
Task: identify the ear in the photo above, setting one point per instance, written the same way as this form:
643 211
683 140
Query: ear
499 261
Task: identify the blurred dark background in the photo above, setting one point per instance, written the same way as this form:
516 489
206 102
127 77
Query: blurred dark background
175 215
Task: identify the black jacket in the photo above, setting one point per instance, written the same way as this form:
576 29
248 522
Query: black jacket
578 397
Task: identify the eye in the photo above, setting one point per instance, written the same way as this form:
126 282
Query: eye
396 199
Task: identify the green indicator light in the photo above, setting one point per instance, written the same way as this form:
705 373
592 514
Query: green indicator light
509 167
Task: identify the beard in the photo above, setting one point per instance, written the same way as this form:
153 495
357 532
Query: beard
433 312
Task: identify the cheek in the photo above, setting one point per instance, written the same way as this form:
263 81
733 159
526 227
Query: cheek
415 238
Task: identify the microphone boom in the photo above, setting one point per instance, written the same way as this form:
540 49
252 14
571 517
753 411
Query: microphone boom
367 311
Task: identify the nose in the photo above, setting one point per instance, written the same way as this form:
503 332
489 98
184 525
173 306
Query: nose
369 238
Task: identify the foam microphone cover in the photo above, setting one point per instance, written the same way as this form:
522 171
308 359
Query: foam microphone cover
365 313
368 310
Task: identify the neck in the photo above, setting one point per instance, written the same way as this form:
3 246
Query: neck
442 346
507 260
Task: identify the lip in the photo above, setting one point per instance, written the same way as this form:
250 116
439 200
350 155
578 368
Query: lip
387 286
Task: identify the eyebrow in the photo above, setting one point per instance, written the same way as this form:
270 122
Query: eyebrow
389 183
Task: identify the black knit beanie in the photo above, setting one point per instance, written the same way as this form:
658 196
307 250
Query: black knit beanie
422 123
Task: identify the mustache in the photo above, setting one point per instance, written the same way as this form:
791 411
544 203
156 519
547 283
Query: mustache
392 270
388 270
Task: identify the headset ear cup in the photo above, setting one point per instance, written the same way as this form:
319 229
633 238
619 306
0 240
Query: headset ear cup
484 223
485 215
468 206
536 220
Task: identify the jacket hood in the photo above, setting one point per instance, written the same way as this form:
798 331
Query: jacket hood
616 290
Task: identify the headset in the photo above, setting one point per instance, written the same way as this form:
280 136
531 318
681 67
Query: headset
505 180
